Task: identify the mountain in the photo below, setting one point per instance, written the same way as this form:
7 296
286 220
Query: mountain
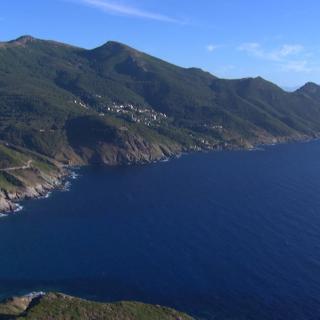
56 306
117 105
310 90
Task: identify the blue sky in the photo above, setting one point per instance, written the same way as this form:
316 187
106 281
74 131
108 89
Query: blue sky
276 39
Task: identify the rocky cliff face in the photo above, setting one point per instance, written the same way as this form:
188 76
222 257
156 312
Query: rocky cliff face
134 151
126 148
34 184
6 205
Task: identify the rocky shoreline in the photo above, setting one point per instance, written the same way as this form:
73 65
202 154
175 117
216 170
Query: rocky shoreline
9 201
59 306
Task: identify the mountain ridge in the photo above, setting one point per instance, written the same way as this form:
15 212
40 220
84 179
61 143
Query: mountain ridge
114 43
116 105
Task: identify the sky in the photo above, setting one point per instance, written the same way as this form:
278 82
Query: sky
275 39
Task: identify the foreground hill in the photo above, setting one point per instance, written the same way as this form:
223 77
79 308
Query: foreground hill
116 105
55 306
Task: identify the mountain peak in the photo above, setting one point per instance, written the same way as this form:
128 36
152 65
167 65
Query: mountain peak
257 83
310 88
113 43
23 40
117 47
114 48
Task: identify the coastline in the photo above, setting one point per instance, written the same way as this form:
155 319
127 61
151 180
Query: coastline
10 202
53 305
107 211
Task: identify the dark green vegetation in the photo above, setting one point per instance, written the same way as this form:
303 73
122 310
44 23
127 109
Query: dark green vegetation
65 102
116 105
25 174
17 165
61 307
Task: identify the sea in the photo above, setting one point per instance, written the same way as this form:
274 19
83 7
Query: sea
220 235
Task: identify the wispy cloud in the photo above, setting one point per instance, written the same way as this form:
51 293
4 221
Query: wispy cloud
114 7
225 70
278 54
289 57
296 66
212 47
287 50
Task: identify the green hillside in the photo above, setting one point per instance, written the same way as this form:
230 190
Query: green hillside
55 306
116 105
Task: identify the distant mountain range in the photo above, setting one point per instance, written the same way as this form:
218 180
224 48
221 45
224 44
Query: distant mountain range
115 104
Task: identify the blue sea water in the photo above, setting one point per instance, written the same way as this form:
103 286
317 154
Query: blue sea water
226 235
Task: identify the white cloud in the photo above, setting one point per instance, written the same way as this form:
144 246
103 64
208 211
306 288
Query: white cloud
252 48
287 50
114 7
225 70
212 47
296 66
278 54
289 57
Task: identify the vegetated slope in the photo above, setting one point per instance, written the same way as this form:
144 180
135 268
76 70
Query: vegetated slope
114 104
25 174
55 306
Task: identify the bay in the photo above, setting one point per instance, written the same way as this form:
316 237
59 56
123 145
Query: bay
225 235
